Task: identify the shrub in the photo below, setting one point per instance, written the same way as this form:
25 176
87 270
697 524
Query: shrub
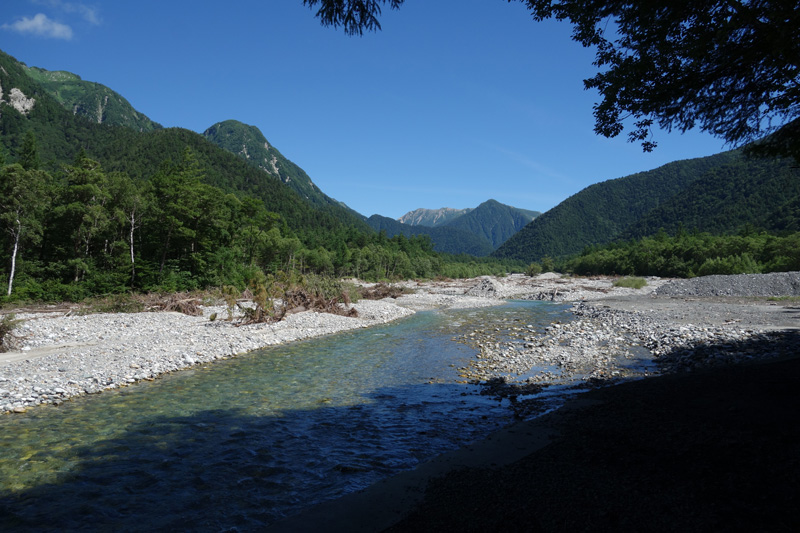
534 269
7 325
630 283
734 264
548 265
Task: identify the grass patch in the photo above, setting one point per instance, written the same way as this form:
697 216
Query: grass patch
783 299
630 282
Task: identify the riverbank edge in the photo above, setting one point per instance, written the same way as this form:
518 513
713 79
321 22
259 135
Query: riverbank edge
463 489
716 446
60 356
678 452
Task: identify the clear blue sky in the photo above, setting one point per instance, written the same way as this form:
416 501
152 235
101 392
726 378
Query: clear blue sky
453 103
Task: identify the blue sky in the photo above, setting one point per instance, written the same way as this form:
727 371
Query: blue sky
452 103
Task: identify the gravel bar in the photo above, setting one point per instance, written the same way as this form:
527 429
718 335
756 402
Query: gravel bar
57 357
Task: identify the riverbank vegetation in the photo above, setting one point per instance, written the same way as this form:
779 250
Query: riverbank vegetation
81 231
687 255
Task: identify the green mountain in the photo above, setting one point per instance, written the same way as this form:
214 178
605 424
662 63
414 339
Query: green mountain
759 193
494 221
27 106
445 239
432 217
491 221
92 100
250 144
602 212
720 194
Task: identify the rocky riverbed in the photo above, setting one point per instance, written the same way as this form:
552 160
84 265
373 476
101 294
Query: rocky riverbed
670 326
57 356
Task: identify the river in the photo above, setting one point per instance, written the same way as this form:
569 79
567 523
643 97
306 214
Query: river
241 443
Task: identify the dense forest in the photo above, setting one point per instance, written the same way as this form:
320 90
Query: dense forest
691 254
719 194
90 208
86 231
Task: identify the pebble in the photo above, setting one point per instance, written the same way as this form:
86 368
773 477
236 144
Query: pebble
91 353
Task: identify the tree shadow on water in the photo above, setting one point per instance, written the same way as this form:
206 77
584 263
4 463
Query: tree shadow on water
223 469
714 449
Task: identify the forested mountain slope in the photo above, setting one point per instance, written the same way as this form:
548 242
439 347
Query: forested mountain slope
759 193
494 221
602 212
250 144
445 239
61 135
92 100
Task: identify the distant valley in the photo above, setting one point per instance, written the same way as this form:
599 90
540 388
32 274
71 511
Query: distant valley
476 231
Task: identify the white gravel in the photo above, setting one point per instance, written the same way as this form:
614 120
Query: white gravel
56 357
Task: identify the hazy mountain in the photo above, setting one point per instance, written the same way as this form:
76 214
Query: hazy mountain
92 100
432 217
494 221
444 239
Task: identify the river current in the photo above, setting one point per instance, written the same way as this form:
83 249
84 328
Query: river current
241 443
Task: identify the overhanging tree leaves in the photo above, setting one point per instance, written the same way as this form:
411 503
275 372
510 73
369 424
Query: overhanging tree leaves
354 16
728 67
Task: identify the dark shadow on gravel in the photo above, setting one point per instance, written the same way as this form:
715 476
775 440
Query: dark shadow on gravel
710 450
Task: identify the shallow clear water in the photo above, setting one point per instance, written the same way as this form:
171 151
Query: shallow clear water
243 442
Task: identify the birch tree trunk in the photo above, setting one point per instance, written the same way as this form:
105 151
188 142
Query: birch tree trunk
17 235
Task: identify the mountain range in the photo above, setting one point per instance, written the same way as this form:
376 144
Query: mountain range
474 231
432 217
720 194
478 235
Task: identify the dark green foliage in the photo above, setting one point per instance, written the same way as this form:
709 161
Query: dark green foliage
688 255
494 221
548 265
744 192
445 239
719 194
534 269
92 100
